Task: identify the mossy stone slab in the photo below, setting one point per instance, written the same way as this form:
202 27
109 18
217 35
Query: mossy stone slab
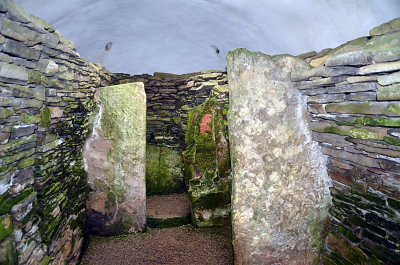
116 159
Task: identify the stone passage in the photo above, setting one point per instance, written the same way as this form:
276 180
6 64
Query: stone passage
115 158
279 188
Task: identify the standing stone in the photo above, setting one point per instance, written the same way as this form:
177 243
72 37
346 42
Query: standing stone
115 157
279 193
207 165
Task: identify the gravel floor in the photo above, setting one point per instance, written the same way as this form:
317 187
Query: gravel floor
178 245
167 205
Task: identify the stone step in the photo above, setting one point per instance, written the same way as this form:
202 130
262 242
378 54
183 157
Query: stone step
168 210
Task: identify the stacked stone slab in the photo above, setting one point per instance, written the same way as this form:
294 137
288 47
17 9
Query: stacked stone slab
46 93
280 185
170 98
353 96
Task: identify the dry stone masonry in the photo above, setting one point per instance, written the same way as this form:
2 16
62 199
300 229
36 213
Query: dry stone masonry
353 98
46 93
306 134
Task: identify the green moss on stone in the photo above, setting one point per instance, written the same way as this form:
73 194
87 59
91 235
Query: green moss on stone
46 260
381 121
45 117
26 163
163 170
31 118
394 108
394 203
363 133
8 252
6 227
176 120
348 233
37 78
335 130
391 140
345 249
5 113
7 201
344 123
207 163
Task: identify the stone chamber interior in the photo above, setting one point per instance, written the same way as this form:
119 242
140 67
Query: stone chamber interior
299 154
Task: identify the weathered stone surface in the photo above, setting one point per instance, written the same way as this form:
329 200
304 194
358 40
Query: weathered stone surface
361 96
391 92
357 87
13 72
363 108
355 158
384 48
48 67
51 40
8 252
326 98
15 31
389 79
323 82
358 79
350 58
277 169
163 170
331 138
207 165
379 67
393 25
323 72
6 227
115 155
19 49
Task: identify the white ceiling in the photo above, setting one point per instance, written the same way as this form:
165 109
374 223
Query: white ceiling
177 36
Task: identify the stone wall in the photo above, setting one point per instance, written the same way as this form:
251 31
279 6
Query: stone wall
46 93
353 96
280 190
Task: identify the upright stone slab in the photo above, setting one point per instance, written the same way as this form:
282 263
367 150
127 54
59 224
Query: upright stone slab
207 165
115 157
279 188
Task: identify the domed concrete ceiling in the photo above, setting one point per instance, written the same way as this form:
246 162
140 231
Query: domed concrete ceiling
180 36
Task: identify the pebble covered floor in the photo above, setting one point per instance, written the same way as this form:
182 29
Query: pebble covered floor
178 245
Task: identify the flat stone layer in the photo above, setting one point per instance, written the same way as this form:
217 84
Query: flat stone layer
167 206
279 175
116 161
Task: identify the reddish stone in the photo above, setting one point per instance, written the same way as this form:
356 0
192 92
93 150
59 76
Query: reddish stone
340 177
204 125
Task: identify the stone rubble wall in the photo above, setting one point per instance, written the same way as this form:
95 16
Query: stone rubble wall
353 97
280 185
46 95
